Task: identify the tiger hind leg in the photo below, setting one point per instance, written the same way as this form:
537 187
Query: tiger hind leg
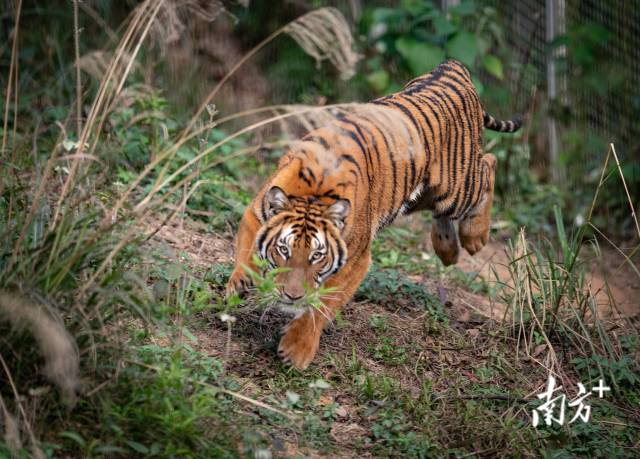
445 240
474 228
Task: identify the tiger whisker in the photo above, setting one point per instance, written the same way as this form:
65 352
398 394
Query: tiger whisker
326 316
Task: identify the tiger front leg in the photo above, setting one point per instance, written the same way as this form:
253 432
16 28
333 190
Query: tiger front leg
445 240
240 281
474 228
301 338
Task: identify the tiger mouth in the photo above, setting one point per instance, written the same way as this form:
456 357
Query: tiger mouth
296 310
288 302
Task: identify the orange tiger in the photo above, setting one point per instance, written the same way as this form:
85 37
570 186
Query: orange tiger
420 148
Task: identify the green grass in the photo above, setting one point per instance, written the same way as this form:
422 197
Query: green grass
391 289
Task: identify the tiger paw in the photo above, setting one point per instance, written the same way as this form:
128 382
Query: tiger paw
445 241
300 342
238 283
474 243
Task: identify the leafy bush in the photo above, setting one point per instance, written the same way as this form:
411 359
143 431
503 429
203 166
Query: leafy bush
414 38
623 372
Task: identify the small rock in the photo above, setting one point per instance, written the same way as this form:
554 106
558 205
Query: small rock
342 412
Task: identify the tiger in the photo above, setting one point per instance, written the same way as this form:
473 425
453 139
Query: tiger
340 184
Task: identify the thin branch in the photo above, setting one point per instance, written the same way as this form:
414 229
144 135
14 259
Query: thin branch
624 183
507 397
222 390
12 69
76 39
37 452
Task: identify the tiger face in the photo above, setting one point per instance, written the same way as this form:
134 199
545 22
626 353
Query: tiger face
303 235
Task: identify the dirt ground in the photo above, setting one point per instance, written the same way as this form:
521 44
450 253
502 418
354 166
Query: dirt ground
450 360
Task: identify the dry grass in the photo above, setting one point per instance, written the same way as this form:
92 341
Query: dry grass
175 18
56 344
324 34
551 296
97 63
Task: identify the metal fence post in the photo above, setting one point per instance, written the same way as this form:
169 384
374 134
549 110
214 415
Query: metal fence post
554 24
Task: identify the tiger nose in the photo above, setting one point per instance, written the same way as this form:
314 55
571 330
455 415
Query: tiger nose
292 297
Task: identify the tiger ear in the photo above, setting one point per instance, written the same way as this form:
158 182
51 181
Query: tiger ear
275 201
338 212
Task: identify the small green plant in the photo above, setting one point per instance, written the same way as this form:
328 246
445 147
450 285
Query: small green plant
392 289
377 386
219 274
394 433
379 323
521 198
624 372
266 290
164 411
216 195
389 352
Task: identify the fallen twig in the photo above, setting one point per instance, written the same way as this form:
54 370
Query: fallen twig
507 397
222 390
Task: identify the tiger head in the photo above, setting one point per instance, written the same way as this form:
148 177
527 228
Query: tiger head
303 235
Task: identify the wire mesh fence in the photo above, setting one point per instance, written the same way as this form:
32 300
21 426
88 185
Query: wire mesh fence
584 59
613 107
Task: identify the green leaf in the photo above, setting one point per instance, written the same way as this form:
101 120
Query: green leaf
190 336
109 450
484 45
493 65
416 7
421 57
73 436
379 80
392 18
443 26
186 153
293 397
562 235
137 447
464 47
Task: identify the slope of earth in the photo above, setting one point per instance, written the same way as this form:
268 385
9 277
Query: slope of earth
418 365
